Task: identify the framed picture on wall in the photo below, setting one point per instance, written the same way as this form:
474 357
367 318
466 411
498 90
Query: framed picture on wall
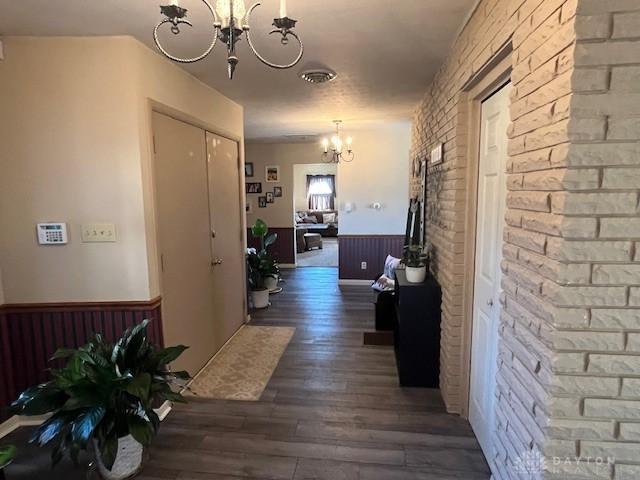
277 191
262 202
272 173
254 187
248 208
248 169
269 197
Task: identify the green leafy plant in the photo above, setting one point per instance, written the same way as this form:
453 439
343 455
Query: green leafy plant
261 230
261 264
105 392
415 257
7 454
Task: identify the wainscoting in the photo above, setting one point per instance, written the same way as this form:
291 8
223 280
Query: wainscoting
284 248
373 249
30 334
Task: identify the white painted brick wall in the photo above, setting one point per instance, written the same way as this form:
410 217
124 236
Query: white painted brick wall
569 352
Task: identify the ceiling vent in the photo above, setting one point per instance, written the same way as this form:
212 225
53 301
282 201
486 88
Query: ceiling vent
318 75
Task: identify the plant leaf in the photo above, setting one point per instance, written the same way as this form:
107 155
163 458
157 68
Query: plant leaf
168 355
140 429
7 454
270 239
50 429
140 387
110 449
63 353
86 424
44 398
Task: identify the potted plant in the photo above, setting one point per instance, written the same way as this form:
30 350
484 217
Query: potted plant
103 400
270 272
261 267
416 264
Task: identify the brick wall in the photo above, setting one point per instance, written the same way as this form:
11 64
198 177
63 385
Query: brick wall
570 268
595 393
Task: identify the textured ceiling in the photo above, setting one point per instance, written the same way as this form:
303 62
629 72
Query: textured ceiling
385 53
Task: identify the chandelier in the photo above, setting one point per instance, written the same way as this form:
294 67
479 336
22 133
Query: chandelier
230 21
334 148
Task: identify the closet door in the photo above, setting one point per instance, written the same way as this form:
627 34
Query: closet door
226 207
184 233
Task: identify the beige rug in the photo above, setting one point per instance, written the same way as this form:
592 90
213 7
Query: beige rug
243 367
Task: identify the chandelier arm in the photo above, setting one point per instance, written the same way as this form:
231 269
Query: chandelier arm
247 29
175 23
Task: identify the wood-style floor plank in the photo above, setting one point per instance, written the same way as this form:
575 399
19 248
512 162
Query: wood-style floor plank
332 410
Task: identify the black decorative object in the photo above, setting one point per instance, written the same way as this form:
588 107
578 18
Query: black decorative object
262 202
254 187
248 169
277 191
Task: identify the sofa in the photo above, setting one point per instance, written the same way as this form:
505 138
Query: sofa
313 222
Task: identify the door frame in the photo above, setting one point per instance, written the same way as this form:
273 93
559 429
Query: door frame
491 78
150 191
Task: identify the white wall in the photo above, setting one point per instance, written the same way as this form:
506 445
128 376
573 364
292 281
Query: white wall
76 147
300 172
378 173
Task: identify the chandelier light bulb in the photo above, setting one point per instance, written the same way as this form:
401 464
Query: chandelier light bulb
223 7
349 141
325 144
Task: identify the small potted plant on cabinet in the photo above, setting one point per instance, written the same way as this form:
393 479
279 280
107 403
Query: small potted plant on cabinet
103 401
7 454
270 270
416 264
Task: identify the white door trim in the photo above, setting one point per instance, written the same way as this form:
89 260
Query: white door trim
483 86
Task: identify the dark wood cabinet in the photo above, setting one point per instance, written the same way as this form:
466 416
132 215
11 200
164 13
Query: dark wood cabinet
417 331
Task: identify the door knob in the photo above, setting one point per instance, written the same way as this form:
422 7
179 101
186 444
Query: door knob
217 261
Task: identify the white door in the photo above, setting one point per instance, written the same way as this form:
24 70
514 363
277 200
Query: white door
227 249
491 206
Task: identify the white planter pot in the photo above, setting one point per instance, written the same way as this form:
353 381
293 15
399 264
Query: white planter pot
128 460
260 298
416 274
271 283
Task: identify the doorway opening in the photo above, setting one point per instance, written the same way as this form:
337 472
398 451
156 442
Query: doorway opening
315 206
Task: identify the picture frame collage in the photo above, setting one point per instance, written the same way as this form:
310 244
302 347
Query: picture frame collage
271 175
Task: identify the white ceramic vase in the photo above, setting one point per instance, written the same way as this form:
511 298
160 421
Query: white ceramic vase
128 460
416 274
260 298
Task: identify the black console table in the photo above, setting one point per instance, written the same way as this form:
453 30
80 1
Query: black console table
417 331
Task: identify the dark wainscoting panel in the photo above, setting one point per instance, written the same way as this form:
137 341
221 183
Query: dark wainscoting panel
30 334
284 248
373 249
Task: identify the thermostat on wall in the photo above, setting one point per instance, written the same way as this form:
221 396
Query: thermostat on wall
52 233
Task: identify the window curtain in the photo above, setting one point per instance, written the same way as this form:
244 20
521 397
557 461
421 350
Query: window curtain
321 192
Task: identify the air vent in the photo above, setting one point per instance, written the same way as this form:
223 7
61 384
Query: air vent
318 75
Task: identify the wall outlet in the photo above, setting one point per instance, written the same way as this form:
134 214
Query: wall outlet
98 232
363 265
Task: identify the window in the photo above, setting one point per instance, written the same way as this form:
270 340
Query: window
321 192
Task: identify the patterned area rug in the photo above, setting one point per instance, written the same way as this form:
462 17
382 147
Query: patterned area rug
243 367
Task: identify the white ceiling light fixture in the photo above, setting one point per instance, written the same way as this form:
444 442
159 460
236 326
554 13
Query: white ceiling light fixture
230 21
337 149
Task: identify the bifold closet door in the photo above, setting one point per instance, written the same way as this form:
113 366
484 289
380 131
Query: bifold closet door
227 235
182 202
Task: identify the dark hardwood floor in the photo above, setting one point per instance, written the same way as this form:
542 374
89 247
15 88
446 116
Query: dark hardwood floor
333 409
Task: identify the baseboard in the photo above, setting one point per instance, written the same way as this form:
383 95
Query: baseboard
287 265
347 281
18 421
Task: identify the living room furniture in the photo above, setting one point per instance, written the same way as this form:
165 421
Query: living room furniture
313 240
300 245
324 229
417 331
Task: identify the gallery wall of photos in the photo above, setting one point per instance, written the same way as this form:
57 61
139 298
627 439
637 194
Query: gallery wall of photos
267 193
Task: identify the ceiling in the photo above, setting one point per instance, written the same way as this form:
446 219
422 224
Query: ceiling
385 53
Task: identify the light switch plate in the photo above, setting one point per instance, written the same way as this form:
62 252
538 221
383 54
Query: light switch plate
98 232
